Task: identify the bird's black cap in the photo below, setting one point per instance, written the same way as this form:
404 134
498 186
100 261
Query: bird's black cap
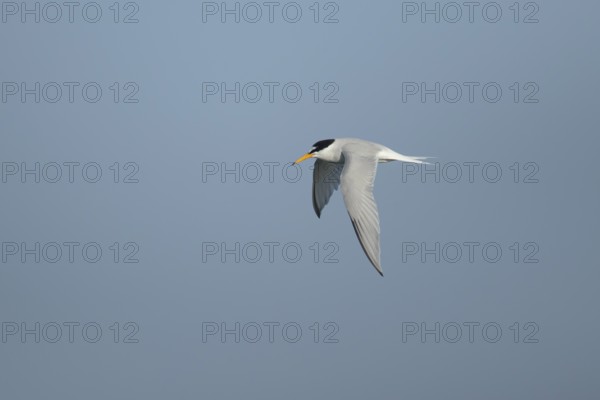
321 144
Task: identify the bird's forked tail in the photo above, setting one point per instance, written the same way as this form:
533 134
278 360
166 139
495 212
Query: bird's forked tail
408 159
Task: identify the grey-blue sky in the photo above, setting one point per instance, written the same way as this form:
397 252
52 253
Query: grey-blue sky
171 132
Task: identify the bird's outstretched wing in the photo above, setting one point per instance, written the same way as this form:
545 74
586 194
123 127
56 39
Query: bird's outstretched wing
357 181
326 179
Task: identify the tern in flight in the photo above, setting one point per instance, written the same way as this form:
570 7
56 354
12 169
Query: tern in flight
352 164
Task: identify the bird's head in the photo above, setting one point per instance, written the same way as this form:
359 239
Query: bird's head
320 150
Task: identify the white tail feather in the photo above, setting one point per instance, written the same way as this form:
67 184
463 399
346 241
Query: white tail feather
411 159
390 155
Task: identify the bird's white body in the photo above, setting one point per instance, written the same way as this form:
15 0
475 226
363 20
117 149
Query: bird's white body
352 164
335 152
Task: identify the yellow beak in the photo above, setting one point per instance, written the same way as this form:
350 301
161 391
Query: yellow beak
304 157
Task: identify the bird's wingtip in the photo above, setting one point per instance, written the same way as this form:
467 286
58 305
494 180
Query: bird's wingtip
377 268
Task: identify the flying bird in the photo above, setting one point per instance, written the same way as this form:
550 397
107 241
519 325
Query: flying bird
352 164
